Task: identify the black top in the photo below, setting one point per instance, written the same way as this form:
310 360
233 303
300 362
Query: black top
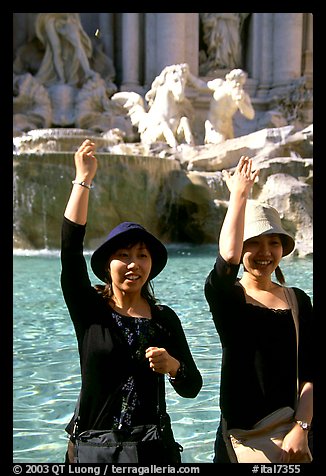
111 349
259 363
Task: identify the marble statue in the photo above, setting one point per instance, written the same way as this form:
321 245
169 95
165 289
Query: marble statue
61 80
67 49
95 110
28 57
167 115
31 104
221 34
229 97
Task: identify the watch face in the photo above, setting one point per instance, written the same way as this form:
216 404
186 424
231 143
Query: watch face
304 425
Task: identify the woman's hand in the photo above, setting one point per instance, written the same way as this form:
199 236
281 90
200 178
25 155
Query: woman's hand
231 235
161 361
86 166
85 162
295 445
243 177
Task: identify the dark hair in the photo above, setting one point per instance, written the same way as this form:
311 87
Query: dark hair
279 275
147 290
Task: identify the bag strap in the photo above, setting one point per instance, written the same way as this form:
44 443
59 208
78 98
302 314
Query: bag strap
293 303
108 402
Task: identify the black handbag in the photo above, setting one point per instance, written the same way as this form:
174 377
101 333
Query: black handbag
152 443
138 444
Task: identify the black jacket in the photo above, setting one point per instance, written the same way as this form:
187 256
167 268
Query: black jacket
104 360
259 364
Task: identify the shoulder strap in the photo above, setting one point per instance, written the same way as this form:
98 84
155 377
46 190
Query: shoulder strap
292 298
108 402
293 302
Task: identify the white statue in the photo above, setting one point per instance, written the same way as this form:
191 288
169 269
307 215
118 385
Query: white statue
167 116
67 49
222 36
94 109
31 104
229 97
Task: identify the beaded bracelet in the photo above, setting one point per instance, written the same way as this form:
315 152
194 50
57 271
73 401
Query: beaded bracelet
83 184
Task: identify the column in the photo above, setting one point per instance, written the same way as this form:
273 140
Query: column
106 29
171 34
150 46
287 47
130 52
264 60
254 53
191 42
308 46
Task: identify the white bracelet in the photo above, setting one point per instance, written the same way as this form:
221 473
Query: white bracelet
83 184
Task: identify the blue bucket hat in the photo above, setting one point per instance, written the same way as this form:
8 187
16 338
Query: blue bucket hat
132 232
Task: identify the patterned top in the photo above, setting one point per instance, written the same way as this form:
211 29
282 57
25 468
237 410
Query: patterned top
138 333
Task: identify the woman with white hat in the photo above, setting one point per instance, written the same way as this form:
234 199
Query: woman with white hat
127 342
253 318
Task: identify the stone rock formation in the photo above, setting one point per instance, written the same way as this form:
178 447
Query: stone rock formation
180 197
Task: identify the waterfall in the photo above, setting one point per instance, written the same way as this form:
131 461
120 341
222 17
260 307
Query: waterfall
171 202
127 188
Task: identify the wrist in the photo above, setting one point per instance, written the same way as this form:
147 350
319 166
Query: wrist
304 425
180 373
239 196
88 178
173 372
83 183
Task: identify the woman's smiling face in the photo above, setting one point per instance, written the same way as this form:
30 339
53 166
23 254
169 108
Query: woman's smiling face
130 267
262 254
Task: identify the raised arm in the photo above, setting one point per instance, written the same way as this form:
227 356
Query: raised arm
231 235
245 106
77 290
86 166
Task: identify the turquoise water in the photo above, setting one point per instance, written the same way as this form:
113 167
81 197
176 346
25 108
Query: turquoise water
46 363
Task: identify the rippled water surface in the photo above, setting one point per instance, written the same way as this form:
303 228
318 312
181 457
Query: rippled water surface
46 362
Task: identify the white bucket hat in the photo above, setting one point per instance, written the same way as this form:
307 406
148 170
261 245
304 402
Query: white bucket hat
262 219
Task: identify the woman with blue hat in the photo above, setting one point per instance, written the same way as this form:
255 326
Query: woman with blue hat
127 342
265 329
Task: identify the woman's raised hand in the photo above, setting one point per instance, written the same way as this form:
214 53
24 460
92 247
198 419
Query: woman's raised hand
243 177
85 162
86 166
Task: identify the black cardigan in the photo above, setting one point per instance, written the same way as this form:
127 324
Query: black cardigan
258 372
103 359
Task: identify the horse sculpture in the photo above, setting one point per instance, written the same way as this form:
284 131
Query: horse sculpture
168 113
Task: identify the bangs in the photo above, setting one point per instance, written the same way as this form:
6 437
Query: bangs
128 243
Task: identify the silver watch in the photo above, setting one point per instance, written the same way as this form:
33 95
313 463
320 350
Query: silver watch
304 425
